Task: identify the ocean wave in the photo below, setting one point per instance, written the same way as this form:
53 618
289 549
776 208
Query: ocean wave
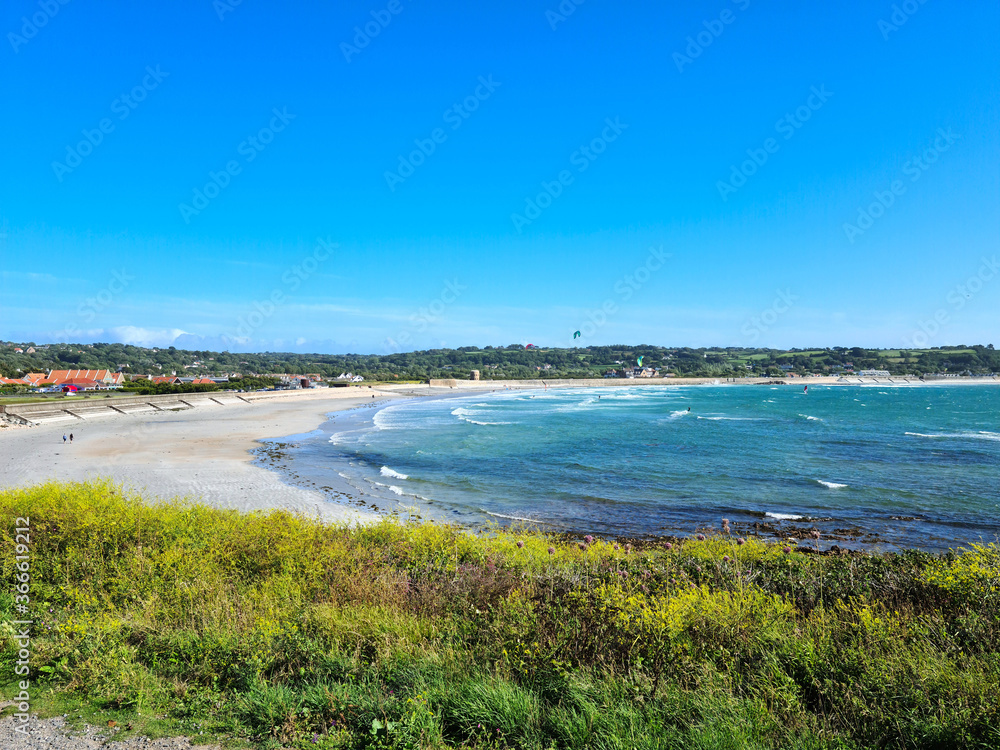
466 416
967 435
387 472
814 419
679 413
731 419
784 516
391 487
383 420
831 485
503 515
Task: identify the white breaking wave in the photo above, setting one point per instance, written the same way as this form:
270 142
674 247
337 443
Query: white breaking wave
831 485
387 472
383 420
466 416
391 487
814 419
784 516
679 413
512 518
980 435
731 419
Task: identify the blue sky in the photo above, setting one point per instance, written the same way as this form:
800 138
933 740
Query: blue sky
772 174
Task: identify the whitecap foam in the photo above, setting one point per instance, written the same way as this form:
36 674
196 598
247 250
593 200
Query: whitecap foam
967 435
387 472
466 415
784 516
679 413
731 419
831 485
814 419
502 515
383 420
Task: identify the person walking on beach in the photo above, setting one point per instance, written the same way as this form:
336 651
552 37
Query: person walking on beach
71 437
64 437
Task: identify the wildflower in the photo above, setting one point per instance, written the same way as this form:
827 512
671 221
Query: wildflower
582 546
741 541
588 539
725 558
814 533
701 537
787 549
552 550
520 544
617 548
669 546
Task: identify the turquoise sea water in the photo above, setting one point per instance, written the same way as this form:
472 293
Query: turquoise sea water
914 466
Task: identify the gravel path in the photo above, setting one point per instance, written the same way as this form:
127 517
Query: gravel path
54 734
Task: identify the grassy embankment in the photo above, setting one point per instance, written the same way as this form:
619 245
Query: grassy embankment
281 631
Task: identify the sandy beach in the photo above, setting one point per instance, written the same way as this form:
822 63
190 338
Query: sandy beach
201 453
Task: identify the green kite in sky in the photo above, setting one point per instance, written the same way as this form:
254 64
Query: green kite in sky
576 335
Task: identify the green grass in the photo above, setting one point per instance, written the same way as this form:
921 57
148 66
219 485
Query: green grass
277 631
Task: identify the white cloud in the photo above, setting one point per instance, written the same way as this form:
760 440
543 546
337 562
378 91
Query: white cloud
145 336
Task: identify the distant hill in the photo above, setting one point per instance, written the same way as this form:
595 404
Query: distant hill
513 362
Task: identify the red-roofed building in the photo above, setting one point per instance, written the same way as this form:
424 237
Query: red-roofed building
172 379
202 381
102 376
